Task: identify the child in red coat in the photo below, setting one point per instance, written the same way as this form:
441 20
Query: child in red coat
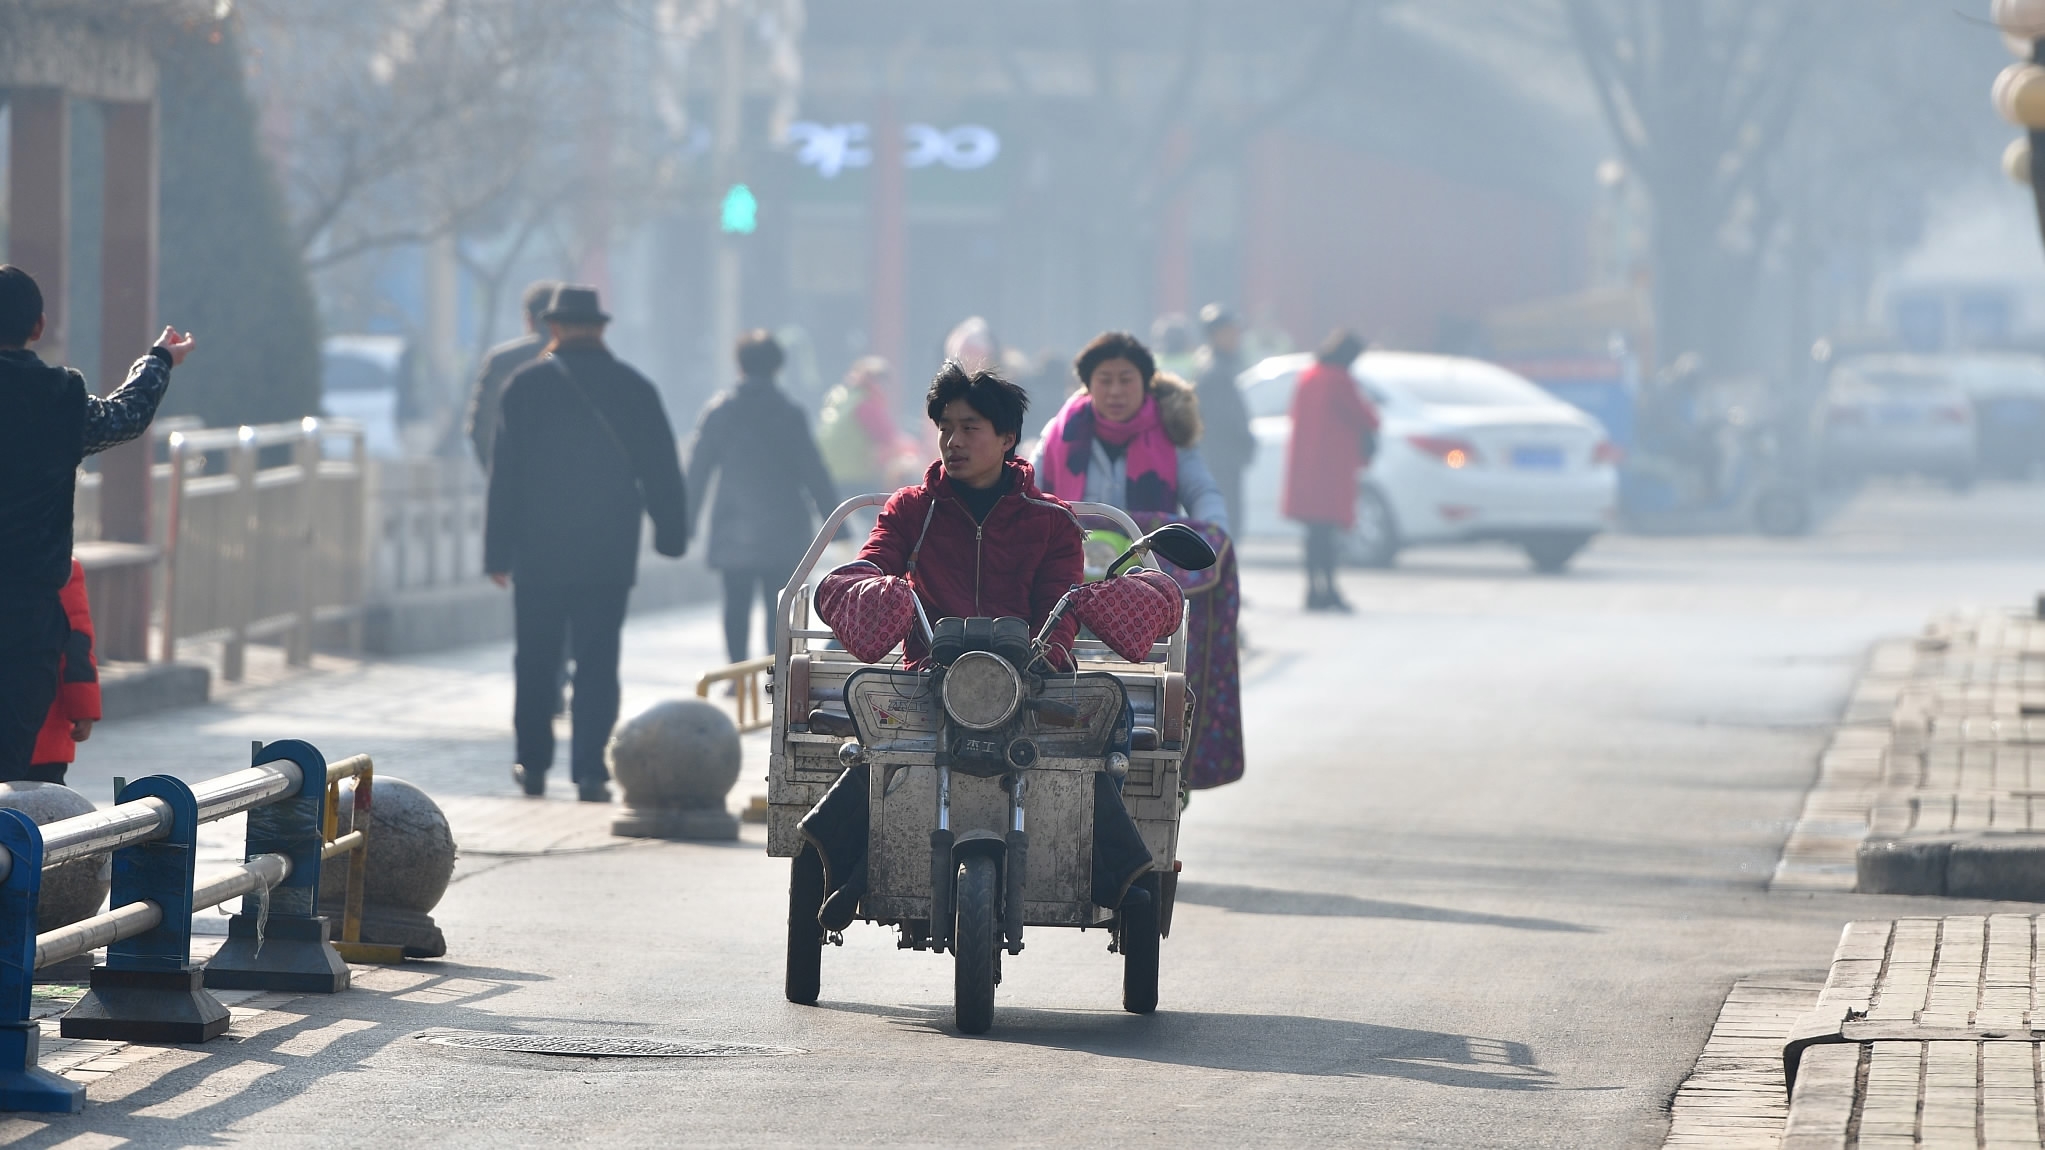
77 707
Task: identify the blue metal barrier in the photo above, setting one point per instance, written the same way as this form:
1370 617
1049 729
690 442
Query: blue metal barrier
149 990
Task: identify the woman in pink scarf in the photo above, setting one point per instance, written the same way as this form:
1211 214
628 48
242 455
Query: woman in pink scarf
1129 438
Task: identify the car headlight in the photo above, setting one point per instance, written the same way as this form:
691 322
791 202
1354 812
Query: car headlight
982 691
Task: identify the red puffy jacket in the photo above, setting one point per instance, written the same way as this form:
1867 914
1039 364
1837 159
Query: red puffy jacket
1330 418
78 689
1018 563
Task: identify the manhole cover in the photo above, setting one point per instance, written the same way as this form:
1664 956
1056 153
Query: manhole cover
603 1047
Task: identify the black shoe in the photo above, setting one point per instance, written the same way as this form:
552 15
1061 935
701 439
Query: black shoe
534 782
842 907
1335 602
593 792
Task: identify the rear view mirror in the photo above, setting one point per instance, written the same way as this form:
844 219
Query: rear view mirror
1181 546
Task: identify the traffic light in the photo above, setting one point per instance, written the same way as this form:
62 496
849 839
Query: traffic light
2019 93
741 211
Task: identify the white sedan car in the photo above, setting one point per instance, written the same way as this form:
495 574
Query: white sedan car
1468 452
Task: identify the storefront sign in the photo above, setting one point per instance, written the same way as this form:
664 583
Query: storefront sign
832 148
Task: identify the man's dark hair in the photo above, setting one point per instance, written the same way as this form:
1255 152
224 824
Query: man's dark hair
21 305
539 296
759 354
1341 348
998 401
1114 345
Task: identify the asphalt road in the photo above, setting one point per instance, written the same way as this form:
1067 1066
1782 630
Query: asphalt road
1501 850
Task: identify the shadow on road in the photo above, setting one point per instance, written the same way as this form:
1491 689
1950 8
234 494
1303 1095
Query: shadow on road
1253 1043
1264 900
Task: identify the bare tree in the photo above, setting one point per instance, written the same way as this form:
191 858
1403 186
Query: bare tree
1771 138
401 121
1699 96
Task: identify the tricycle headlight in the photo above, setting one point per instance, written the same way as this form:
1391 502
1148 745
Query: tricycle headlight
982 691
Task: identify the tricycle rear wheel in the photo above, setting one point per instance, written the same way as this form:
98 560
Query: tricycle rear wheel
974 944
805 936
1140 947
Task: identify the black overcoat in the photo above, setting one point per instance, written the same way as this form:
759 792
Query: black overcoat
578 457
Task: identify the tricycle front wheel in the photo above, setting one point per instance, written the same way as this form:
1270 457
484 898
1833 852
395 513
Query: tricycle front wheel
805 936
974 945
1140 947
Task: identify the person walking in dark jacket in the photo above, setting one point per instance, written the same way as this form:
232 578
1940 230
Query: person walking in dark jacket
503 362
1229 446
758 445
583 449
49 423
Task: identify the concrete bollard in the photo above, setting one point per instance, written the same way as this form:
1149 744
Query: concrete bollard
73 890
411 859
676 764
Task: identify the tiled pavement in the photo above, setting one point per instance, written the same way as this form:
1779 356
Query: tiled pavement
1928 1029
1931 1021
1942 739
1734 1099
440 721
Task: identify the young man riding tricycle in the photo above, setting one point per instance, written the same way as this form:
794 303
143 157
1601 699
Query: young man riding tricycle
1002 772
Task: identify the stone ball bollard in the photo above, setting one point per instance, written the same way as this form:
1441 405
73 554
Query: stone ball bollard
676 762
72 890
411 860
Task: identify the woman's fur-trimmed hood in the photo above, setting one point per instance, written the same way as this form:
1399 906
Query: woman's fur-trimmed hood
1178 408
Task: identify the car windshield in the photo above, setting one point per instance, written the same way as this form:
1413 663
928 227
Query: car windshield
1907 383
1469 385
1893 383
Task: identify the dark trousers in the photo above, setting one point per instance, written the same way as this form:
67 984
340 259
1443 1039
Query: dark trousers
32 634
593 618
1323 552
739 589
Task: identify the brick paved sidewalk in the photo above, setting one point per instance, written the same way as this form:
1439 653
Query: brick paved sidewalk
1933 783
442 722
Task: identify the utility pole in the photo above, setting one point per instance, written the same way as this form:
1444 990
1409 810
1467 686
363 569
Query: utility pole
725 279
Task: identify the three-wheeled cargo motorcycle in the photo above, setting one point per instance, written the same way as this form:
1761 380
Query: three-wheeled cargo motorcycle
983 775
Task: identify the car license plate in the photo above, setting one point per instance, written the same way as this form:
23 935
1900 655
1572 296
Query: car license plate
1537 458
1896 413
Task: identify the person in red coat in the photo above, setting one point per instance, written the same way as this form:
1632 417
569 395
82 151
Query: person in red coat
1334 429
977 537
77 706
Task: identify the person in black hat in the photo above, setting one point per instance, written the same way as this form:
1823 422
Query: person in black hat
1229 444
501 363
49 423
583 449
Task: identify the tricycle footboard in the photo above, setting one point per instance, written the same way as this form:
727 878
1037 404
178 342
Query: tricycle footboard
1151 792
796 781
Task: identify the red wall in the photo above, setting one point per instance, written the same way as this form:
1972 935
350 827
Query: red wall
1336 237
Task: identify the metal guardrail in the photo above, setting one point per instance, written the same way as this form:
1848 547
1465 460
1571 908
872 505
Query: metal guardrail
149 990
752 713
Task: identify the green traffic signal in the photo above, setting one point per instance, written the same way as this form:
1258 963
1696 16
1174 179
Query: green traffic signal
741 212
